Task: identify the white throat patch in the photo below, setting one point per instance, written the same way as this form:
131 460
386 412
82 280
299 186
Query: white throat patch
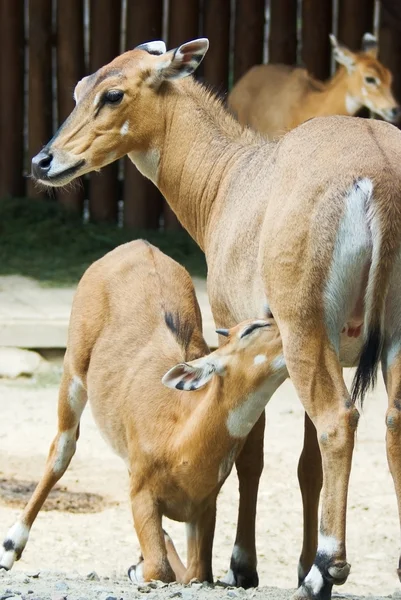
147 163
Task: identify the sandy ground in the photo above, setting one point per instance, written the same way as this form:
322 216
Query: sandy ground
105 542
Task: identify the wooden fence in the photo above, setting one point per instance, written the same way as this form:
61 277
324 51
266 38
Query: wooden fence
47 45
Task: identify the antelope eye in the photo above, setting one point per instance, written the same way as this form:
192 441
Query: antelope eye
113 96
371 80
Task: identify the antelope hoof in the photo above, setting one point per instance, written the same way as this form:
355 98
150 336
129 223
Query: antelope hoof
318 586
241 577
135 573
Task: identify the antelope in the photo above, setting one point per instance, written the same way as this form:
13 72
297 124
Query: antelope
135 314
274 99
306 228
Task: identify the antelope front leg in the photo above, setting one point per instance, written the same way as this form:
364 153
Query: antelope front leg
310 477
200 536
249 466
72 400
154 563
392 375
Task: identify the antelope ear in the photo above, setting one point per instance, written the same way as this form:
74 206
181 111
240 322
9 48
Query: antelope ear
157 47
182 61
190 376
342 55
370 45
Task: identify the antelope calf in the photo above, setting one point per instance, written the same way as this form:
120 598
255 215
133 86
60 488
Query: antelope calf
134 316
273 99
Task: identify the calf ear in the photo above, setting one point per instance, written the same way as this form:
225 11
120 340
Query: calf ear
157 47
190 376
342 55
370 45
182 61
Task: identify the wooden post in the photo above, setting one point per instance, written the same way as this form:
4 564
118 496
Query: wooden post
316 27
105 18
248 36
216 19
40 82
390 43
355 17
142 200
12 182
283 32
70 69
183 26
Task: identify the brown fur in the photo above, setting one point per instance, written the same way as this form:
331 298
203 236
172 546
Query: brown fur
273 99
268 216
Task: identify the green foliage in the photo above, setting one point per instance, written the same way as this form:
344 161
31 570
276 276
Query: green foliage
42 240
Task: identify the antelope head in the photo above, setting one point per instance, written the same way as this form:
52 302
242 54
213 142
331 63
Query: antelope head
117 112
252 354
369 82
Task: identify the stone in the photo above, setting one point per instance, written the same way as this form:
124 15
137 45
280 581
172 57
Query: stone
93 576
61 586
15 362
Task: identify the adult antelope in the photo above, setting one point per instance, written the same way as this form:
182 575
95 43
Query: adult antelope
276 98
308 227
134 316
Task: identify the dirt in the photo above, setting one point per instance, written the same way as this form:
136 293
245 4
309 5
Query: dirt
65 546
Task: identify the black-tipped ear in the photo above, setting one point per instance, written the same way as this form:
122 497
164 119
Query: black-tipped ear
157 47
224 332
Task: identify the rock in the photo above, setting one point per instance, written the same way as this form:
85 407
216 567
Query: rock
93 576
59 596
33 574
15 362
7 595
61 586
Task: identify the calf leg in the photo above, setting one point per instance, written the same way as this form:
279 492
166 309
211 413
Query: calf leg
154 563
249 466
72 400
310 477
200 536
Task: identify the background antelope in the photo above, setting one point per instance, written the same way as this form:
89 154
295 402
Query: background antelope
276 98
308 227
134 315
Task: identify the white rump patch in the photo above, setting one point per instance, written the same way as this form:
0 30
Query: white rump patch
259 359
352 105
125 128
314 580
352 251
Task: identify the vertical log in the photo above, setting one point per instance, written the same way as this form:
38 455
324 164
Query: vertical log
249 35
142 200
216 19
390 43
183 26
40 81
12 182
355 17
283 32
316 27
70 69
105 18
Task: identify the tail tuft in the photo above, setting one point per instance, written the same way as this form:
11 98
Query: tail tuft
366 373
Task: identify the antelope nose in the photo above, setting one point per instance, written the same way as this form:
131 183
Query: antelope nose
41 164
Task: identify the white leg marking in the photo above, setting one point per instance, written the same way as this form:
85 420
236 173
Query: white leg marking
65 450
314 580
136 573
229 579
77 396
327 544
14 543
352 251
125 128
